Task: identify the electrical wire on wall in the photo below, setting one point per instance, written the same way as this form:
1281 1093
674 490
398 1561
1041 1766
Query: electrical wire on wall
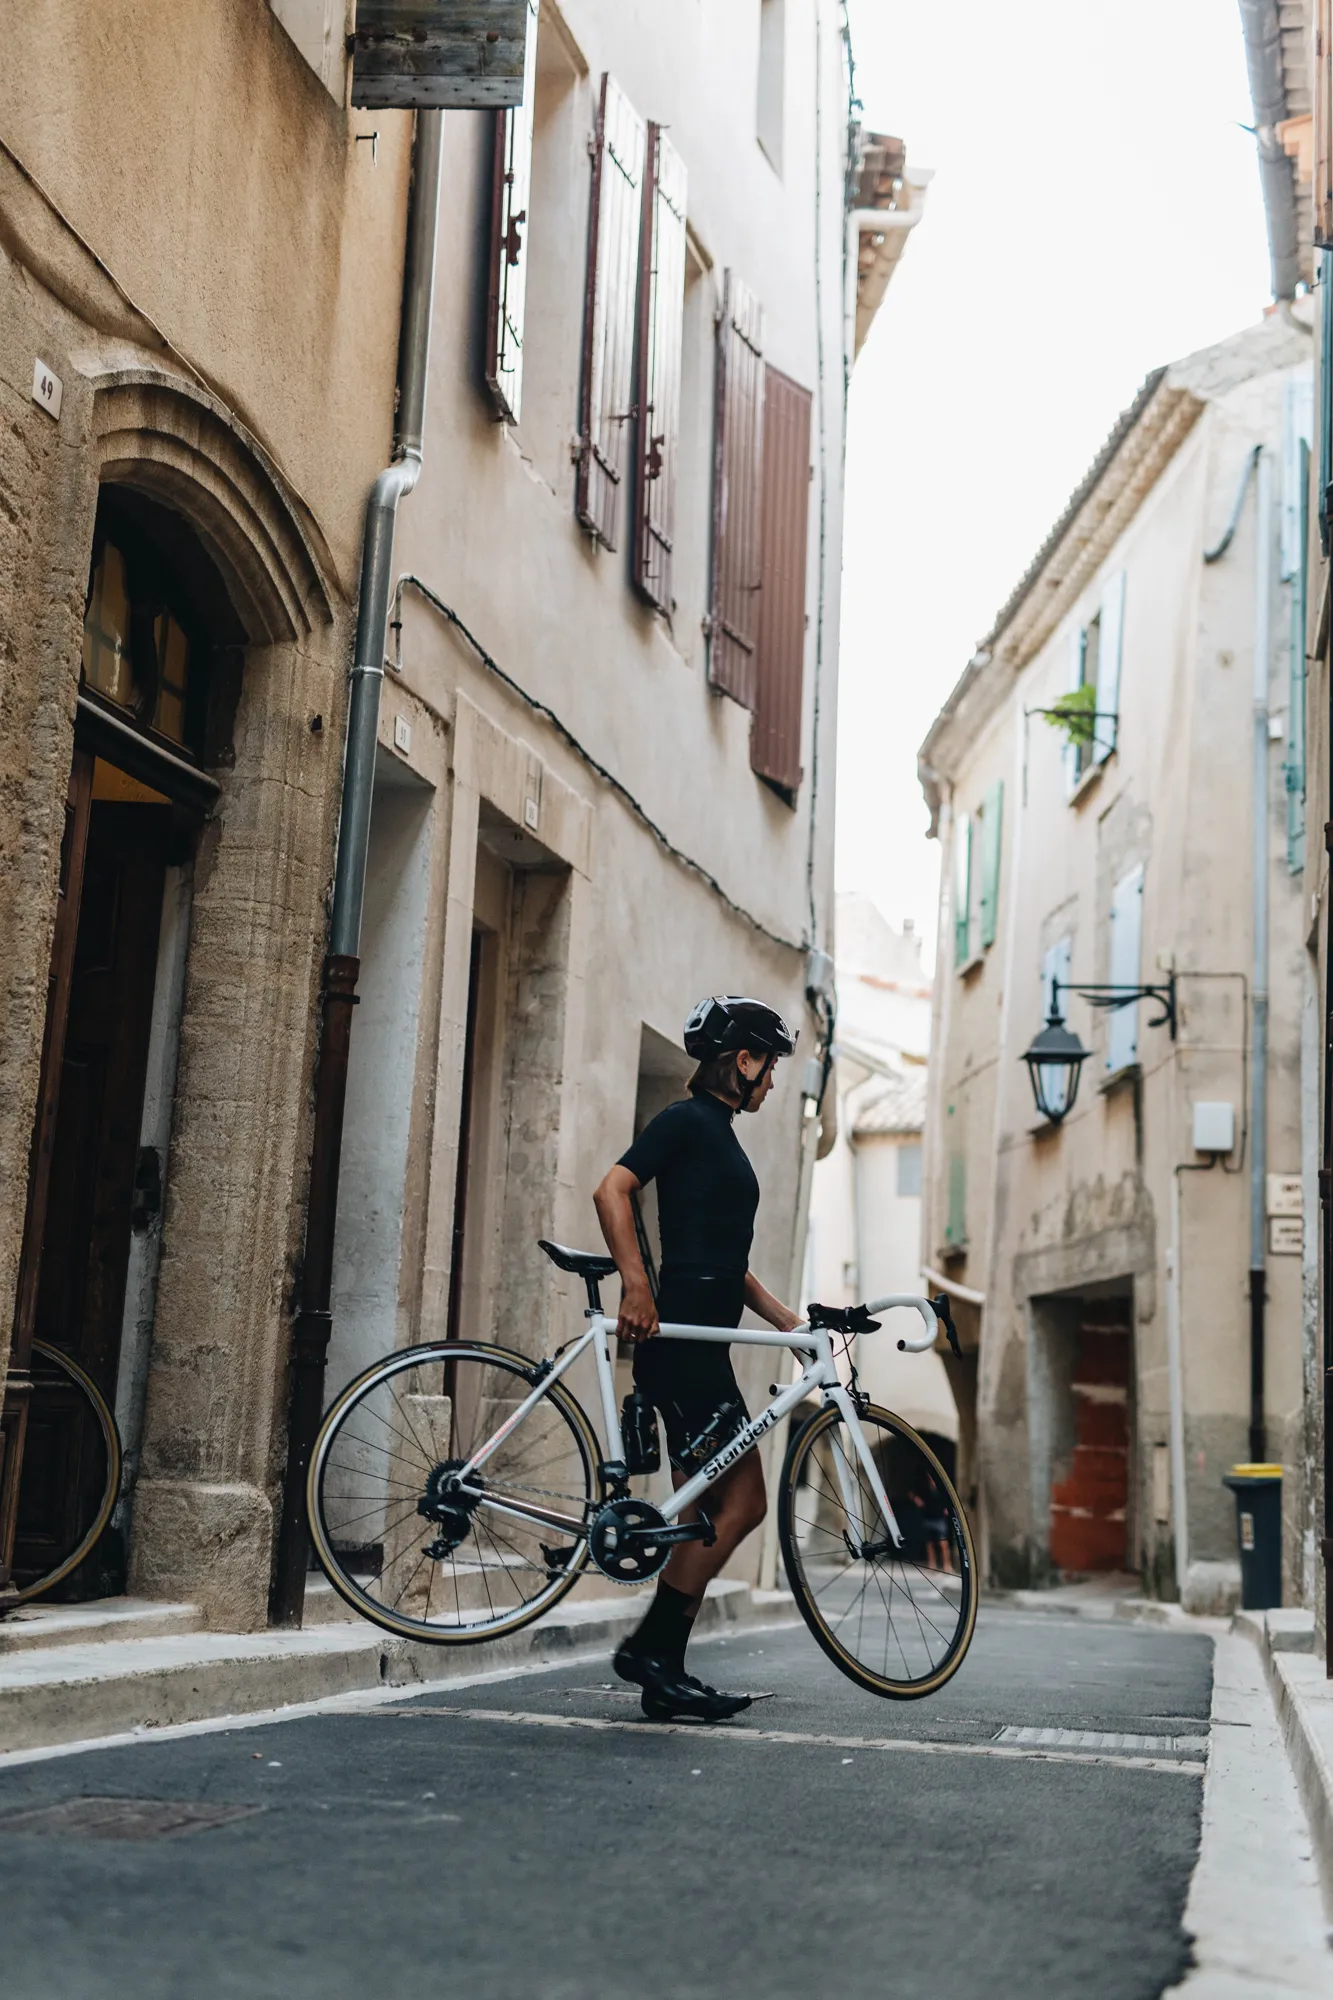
567 736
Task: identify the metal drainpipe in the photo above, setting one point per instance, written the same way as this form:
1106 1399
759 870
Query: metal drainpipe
1259 1015
314 1319
1262 30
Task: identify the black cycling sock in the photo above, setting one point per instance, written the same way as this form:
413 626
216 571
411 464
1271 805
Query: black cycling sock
664 1630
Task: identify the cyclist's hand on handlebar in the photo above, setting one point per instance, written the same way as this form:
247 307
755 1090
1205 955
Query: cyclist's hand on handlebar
638 1314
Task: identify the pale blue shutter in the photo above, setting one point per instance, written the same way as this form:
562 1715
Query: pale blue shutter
962 886
1122 1032
1108 667
991 816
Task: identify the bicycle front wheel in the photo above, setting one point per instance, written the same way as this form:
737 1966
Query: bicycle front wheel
69 1479
895 1615
416 1545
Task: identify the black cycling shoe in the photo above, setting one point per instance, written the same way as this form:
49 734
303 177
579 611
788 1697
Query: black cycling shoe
672 1695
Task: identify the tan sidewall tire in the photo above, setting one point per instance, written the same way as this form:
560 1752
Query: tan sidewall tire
799 1448
111 1439
404 1628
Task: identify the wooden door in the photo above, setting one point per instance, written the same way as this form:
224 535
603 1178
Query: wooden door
80 1290
1090 1525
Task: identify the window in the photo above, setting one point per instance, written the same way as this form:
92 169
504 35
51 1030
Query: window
1122 1023
769 99
962 889
605 412
1095 655
134 650
1055 968
977 839
510 201
738 448
909 1168
1325 389
661 333
775 735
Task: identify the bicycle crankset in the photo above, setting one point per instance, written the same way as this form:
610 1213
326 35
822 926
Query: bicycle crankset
445 1502
630 1540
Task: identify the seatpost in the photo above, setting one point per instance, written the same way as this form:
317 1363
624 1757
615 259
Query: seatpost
594 1289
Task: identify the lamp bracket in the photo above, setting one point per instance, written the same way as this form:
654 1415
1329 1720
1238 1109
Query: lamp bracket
1112 997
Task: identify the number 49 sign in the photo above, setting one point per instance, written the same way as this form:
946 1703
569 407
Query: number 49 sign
47 388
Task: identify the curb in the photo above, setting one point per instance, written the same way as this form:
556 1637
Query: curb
68 1694
1303 1701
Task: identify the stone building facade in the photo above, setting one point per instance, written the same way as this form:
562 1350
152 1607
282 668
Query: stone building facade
1109 1250
605 780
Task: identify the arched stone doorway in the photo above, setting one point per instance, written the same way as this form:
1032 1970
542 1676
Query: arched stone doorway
201 750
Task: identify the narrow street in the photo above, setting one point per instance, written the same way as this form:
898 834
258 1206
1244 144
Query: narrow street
557 1859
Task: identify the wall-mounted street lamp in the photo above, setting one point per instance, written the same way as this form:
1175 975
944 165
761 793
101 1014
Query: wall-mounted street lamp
1056 1056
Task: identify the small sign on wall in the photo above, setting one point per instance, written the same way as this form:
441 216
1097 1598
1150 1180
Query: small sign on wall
1285 1195
1286 1235
47 388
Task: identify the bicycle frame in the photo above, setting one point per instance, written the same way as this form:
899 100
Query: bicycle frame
811 1345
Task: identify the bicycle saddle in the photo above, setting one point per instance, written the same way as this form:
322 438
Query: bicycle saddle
583 1263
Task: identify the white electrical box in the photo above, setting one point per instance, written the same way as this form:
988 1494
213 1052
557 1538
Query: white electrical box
1214 1128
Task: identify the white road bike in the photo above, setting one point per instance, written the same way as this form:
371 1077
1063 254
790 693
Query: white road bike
458 1490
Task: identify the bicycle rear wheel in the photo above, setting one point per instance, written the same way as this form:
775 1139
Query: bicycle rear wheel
70 1475
897 1619
419 1552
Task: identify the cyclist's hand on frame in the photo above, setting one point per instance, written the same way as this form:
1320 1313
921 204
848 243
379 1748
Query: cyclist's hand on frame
638 1314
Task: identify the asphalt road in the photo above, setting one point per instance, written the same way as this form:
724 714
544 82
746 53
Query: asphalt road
439 1854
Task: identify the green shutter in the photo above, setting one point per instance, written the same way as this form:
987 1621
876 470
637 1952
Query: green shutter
962 887
955 1231
1294 768
992 813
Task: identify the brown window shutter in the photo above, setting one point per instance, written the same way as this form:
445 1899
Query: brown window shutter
661 329
1323 124
775 735
606 412
738 456
510 200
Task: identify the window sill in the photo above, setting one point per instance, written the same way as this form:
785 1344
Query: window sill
1089 781
969 966
1120 1079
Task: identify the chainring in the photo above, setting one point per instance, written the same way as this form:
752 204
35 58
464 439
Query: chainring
621 1541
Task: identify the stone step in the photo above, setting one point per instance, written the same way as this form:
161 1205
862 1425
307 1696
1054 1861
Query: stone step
106 1619
120 1689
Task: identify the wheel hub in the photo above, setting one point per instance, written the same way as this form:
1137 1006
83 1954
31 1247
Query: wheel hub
444 1501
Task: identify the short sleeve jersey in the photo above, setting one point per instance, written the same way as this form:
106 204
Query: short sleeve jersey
707 1191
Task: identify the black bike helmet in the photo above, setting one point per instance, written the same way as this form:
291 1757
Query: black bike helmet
726 1023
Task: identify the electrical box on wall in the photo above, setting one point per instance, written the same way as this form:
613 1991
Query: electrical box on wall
1214 1128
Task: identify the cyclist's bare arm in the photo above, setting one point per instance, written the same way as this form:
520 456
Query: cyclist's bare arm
761 1301
615 1212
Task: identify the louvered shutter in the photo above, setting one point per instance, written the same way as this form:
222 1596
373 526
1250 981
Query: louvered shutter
1122 1031
661 331
606 412
1110 642
775 735
1323 124
511 196
992 816
738 456
1078 646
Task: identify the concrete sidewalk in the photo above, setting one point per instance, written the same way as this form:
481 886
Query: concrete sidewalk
1303 1699
94 1683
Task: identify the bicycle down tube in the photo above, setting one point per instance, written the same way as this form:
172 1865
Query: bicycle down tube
819 1372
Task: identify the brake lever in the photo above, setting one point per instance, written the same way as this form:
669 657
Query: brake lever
940 1307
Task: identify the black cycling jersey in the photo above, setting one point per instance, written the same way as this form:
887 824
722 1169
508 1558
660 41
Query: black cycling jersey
707 1193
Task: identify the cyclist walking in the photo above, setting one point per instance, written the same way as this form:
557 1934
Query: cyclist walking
707 1198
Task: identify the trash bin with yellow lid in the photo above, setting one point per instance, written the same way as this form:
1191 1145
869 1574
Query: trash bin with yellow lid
1258 1491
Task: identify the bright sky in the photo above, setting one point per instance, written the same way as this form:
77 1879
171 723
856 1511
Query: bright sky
1095 212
